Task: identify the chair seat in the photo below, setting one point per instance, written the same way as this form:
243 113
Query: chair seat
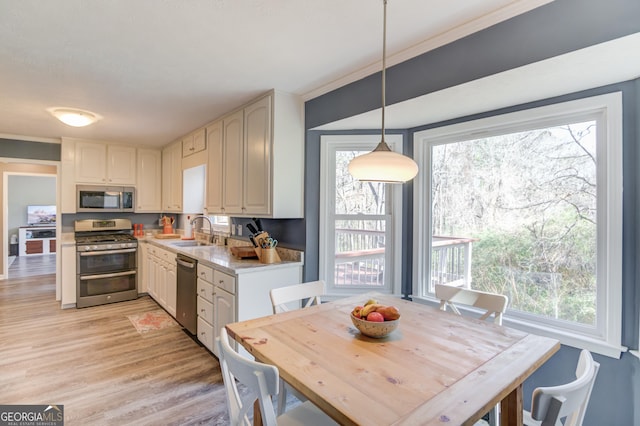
305 414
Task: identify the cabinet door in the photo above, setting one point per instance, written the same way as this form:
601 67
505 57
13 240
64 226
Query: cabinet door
214 168
172 178
91 162
121 165
69 277
172 289
200 140
257 158
233 160
148 182
224 310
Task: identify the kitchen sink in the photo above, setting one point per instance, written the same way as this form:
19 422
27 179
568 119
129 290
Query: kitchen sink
191 243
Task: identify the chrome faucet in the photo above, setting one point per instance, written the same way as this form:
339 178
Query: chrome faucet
210 226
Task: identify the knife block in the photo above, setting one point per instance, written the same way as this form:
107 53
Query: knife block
269 255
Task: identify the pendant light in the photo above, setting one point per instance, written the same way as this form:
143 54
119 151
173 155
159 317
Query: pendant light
382 164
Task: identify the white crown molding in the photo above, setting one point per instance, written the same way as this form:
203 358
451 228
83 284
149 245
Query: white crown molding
30 138
514 9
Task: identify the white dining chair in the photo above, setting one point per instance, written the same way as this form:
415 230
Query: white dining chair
492 303
303 295
261 382
549 405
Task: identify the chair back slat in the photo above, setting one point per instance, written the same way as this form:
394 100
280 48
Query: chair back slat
551 404
491 303
307 294
261 381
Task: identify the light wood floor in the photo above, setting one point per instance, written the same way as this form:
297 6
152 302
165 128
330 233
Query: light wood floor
95 363
29 266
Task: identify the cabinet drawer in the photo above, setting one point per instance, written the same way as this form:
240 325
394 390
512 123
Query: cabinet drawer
205 272
205 310
167 256
205 334
205 290
224 281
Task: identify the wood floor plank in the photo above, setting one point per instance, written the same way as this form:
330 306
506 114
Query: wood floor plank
95 363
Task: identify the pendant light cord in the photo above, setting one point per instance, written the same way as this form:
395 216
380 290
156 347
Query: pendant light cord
382 146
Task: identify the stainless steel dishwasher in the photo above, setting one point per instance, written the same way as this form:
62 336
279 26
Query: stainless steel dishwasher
186 309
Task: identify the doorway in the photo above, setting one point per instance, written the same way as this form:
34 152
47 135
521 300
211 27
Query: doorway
29 217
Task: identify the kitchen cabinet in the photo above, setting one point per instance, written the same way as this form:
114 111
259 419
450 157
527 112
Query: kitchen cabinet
214 167
143 267
263 159
216 304
104 164
195 142
68 274
232 140
162 278
172 178
148 181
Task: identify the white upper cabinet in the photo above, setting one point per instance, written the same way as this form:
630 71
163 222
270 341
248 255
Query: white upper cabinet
193 143
256 186
214 167
149 181
233 164
105 164
262 160
172 178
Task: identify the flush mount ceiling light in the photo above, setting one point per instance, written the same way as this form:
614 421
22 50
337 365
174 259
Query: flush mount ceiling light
382 164
73 116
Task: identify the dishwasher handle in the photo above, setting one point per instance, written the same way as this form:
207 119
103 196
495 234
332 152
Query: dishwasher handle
181 262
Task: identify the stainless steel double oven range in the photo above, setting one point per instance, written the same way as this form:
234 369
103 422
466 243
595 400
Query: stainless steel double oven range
106 263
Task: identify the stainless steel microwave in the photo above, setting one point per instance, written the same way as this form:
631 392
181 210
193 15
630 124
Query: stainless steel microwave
92 198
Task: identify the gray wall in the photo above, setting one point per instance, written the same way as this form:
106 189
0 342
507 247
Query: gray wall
24 191
559 27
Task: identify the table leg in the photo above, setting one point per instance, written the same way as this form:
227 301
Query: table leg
257 414
511 408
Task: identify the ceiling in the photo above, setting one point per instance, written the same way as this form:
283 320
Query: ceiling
157 69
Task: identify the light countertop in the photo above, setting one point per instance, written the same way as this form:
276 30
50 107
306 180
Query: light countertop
221 258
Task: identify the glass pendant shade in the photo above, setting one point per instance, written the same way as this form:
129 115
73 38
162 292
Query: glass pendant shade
383 165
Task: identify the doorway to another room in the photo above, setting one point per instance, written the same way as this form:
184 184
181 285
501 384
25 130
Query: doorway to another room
31 224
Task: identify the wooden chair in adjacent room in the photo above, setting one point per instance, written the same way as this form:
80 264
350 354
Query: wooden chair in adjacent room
261 382
490 303
283 299
549 405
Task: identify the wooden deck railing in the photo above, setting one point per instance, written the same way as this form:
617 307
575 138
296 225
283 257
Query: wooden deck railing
360 259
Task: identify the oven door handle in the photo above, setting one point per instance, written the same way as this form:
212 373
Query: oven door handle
100 253
99 276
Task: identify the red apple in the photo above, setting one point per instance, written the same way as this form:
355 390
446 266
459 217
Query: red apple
356 311
375 317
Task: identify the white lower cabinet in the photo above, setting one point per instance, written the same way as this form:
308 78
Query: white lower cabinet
216 305
224 298
161 276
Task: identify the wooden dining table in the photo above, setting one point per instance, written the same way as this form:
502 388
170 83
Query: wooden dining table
436 368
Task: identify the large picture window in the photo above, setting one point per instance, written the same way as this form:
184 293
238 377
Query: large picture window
529 205
359 242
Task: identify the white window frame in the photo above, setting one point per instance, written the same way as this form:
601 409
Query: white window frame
329 144
606 337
